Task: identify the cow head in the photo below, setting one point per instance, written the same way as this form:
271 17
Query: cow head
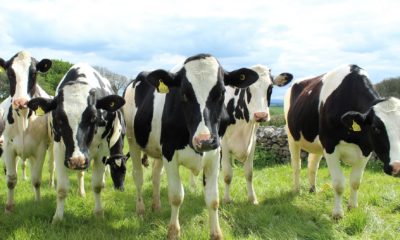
77 113
117 169
252 103
201 88
382 125
21 71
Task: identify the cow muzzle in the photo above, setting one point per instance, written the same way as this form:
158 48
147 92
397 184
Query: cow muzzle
20 103
396 169
261 116
205 142
77 162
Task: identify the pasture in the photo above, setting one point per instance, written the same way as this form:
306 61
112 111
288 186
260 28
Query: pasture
280 214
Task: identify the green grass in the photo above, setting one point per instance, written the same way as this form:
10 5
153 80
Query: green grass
280 214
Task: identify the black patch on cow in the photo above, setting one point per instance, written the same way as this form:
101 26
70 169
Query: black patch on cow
303 116
230 108
269 94
144 100
237 91
12 80
380 141
71 76
10 117
197 57
241 111
248 94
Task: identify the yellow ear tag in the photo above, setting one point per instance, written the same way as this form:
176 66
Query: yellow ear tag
355 127
39 111
242 77
162 88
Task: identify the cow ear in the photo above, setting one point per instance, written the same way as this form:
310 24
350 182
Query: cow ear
3 63
42 105
110 103
44 65
356 121
241 78
163 80
283 79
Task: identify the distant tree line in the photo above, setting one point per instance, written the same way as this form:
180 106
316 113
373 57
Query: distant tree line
49 80
389 87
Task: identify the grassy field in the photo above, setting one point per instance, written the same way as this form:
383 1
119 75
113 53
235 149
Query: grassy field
280 214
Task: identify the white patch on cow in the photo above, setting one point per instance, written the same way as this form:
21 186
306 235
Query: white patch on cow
203 75
332 80
116 133
21 65
389 113
118 162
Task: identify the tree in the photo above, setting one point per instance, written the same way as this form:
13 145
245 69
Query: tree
49 80
118 82
389 87
4 85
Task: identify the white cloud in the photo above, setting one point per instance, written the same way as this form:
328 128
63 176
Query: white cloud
306 37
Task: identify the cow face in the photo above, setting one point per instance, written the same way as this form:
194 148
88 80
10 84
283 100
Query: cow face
201 86
117 169
252 103
21 71
77 113
382 124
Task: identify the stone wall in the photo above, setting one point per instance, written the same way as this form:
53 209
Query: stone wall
274 139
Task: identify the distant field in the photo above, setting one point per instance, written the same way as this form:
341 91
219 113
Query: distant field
280 214
276 110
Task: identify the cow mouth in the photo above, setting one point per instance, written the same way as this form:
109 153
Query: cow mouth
206 145
81 163
396 169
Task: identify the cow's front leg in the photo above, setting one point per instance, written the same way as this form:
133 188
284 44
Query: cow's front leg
81 183
137 173
227 173
156 177
51 166
338 183
312 168
98 185
175 195
355 180
11 171
62 181
211 171
36 172
248 172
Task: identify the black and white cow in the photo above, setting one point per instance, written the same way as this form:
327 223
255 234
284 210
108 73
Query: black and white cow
340 116
85 126
247 108
182 127
25 133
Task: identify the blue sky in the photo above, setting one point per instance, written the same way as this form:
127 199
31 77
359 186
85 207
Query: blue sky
305 37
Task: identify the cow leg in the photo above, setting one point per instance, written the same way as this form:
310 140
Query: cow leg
248 171
211 172
81 183
36 164
156 178
355 180
313 164
338 182
227 172
137 173
23 167
97 186
51 166
296 163
175 195
62 181
11 171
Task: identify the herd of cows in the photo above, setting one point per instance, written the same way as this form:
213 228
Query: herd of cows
198 115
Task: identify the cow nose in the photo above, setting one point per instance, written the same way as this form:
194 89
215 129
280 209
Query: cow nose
78 162
396 168
205 142
261 116
20 103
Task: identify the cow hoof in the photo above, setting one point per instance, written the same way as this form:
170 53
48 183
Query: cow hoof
253 201
99 214
82 194
156 207
217 235
352 206
312 189
9 208
337 216
56 220
174 232
140 208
